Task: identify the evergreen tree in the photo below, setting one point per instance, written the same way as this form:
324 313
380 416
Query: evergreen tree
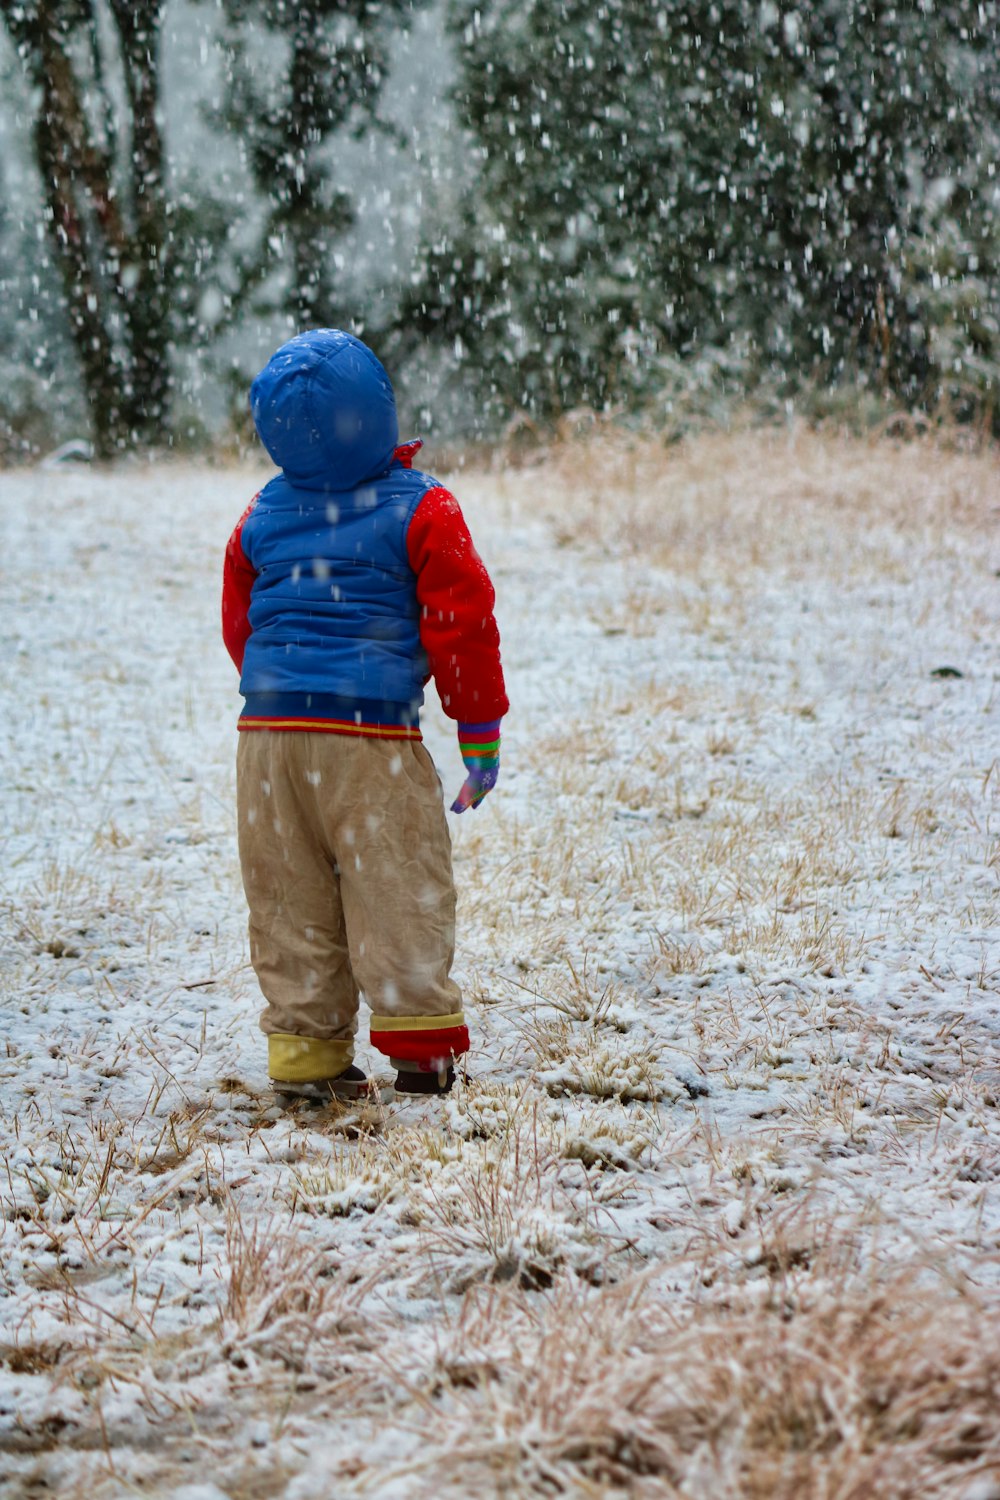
297 77
753 183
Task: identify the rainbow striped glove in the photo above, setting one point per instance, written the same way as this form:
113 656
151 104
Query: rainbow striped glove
480 747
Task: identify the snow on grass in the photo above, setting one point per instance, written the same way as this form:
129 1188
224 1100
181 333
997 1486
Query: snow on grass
716 1210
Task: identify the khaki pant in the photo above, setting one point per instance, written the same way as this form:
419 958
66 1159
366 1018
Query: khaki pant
346 862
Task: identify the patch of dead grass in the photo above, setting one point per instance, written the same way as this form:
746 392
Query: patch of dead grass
885 1389
780 500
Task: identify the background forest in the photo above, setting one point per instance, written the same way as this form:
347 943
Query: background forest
526 206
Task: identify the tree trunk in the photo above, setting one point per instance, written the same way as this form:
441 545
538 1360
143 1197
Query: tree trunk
107 236
311 296
143 283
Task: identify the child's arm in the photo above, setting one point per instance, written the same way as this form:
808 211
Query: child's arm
459 633
237 581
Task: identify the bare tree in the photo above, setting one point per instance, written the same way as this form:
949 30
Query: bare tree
99 152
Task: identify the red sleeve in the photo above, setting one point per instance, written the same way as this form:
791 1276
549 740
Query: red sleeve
237 581
457 628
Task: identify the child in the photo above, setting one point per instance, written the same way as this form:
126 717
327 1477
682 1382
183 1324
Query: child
351 579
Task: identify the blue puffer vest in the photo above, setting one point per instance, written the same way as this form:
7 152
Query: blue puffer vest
333 613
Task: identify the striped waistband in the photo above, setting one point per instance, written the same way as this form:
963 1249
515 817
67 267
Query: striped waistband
331 726
322 713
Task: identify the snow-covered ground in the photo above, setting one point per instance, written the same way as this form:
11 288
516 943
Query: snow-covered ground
716 1212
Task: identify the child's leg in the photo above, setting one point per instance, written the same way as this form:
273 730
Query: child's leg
298 943
394 852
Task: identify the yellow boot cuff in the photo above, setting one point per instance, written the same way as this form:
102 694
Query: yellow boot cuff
306 1059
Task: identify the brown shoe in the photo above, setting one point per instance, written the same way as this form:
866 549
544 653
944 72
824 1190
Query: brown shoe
425 1083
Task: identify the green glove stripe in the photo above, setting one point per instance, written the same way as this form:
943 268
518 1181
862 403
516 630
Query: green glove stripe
480 747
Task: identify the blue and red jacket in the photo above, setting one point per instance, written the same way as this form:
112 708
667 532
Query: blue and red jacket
352 578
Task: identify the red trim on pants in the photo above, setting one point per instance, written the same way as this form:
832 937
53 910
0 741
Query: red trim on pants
429 1049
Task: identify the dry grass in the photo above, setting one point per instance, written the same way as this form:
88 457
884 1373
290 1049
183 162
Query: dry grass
777 501
714 1213
888 1391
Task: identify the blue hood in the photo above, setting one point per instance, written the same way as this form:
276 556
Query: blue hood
325 411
